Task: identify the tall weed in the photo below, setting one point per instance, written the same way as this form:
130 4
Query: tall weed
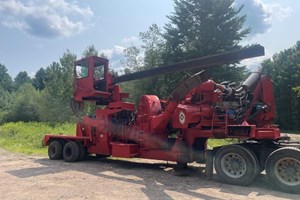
28 137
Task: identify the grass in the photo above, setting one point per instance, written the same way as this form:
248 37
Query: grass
27 138
289 131
220 142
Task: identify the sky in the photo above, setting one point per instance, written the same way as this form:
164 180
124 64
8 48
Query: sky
35 33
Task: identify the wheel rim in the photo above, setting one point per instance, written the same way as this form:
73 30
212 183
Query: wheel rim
287 170
233 165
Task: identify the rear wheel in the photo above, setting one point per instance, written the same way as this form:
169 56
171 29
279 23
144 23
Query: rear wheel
283 169
236 164
71 152
82 152
55 150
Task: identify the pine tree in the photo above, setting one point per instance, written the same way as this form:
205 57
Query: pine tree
21 79
5 80
201 28
39 79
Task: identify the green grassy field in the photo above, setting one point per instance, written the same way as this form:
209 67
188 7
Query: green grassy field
27 138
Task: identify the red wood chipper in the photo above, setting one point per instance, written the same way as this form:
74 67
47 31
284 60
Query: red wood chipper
177 129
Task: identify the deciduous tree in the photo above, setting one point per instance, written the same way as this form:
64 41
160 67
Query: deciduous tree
284 68
24 105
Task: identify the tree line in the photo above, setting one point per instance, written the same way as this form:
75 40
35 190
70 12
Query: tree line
45 97
195 29
284 69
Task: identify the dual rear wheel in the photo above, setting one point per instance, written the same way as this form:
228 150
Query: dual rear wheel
237 164
70 151
283 169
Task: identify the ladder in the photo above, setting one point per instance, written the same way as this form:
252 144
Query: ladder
219 120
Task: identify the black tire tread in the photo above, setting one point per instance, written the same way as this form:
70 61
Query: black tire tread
74 148
58 150
251 171
82 152
270 164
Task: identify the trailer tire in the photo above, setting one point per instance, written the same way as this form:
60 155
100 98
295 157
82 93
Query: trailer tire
283 169
55 150
82 152
71 152
236 164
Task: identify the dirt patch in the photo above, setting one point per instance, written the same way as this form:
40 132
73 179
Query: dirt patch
33 177
295 137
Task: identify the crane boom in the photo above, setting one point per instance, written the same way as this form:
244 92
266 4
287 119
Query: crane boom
198 63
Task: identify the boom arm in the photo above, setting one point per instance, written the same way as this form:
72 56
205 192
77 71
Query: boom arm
198 63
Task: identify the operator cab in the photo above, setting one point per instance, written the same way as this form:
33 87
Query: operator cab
91 78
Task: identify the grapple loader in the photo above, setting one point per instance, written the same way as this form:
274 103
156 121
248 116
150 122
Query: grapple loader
177 129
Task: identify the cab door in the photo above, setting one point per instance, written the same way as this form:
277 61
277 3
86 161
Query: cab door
83 78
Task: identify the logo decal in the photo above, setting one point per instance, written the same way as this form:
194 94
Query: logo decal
181 117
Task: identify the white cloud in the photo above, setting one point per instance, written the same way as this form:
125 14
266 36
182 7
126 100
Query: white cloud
119 50
279 13
114 52
260 15
47 19
115 56
129 40
107 52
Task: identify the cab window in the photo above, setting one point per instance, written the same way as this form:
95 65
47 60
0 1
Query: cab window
99 72
81 72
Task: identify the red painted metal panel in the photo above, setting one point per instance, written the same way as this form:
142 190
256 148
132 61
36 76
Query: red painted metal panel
267 133
124 150
50 137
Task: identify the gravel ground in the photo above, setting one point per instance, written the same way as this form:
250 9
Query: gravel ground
34 177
